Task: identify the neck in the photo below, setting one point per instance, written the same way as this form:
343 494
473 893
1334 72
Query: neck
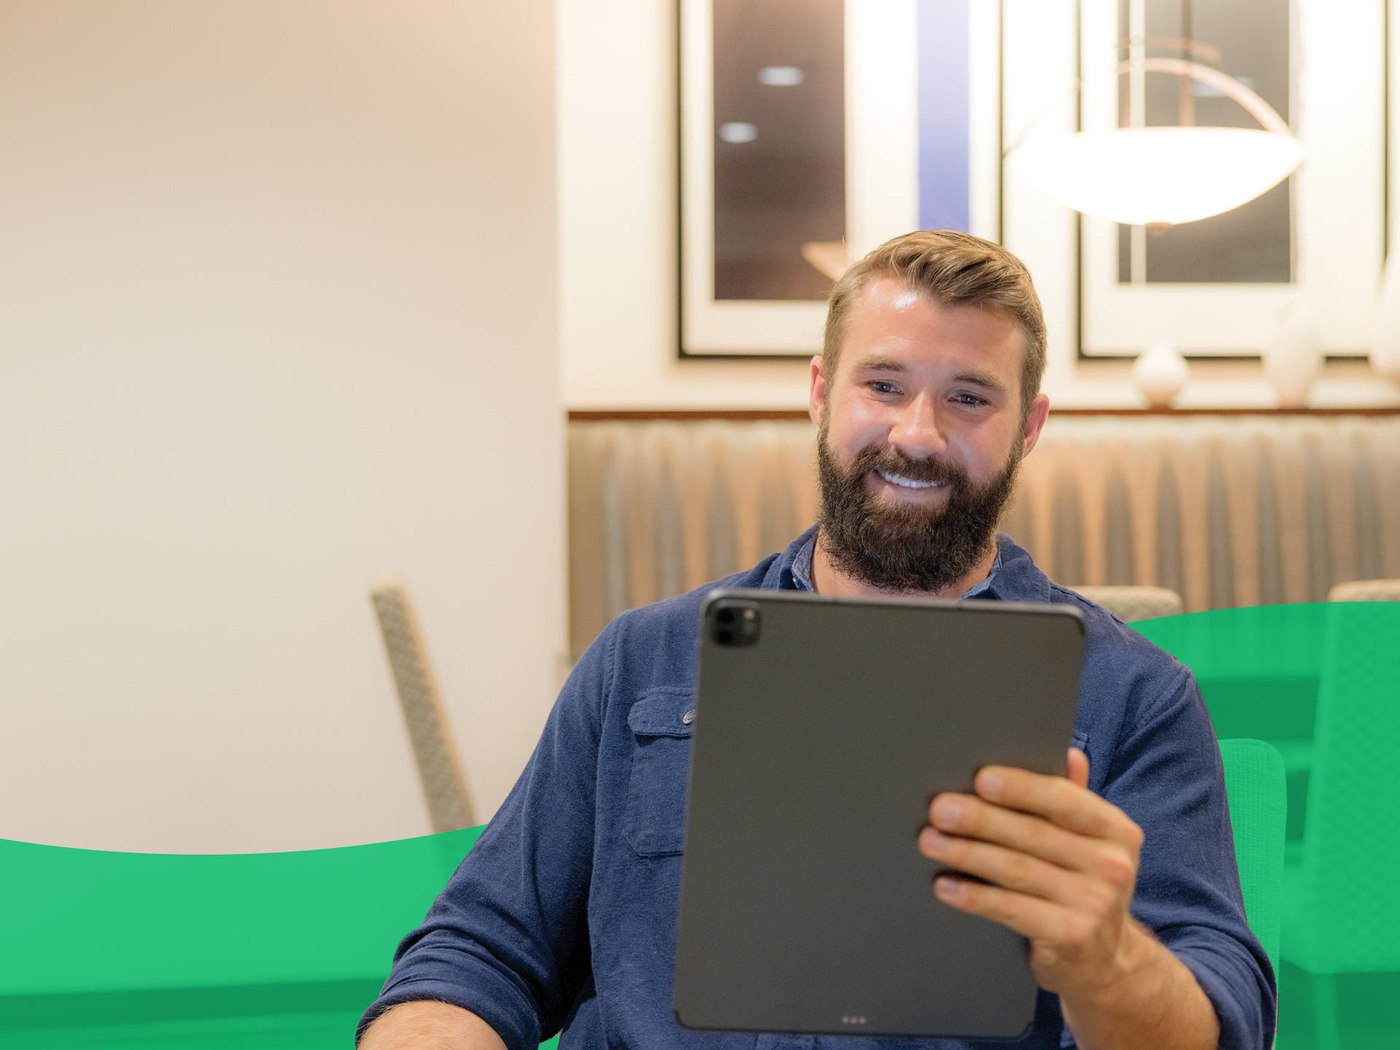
828 579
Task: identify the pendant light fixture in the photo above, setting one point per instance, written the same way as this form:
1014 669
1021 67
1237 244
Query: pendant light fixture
1146 175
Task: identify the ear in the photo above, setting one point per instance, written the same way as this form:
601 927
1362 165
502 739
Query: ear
1035 420
816 392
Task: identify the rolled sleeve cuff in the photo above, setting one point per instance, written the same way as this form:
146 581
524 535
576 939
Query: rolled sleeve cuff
494 999
1244 1025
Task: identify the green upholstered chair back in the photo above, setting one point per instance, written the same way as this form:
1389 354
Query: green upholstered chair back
1344 914
1254 782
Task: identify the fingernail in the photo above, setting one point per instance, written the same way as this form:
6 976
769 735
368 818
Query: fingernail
946 886
947 810
991 783
931 841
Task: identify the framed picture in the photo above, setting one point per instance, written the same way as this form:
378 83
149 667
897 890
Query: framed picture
1217 287
812 131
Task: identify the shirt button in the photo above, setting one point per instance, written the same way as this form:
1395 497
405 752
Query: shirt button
688 717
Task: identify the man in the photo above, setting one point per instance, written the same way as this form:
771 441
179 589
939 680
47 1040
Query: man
1121 875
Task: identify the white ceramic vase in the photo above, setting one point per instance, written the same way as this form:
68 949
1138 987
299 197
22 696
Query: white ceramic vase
1160 372
1385 335
1292 358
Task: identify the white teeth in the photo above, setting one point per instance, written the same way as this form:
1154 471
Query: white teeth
908 483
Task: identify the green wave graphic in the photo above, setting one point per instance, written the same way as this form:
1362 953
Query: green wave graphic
207 952
102 949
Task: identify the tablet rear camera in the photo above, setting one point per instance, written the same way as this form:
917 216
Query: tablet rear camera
736 624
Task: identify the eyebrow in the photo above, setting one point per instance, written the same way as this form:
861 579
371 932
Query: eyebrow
879 364
983 379
886 364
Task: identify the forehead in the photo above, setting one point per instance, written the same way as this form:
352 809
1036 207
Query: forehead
890 319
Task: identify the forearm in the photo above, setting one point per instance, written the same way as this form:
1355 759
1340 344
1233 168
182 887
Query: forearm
1152 1002
430 1026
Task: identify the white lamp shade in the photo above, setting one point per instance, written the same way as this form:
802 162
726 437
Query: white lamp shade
1157 174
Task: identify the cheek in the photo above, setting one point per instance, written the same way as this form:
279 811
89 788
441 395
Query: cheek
858 422
987 454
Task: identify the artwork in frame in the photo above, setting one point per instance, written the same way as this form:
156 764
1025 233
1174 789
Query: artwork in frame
1217 287
813 130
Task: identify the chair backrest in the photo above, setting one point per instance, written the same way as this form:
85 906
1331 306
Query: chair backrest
1349 910
1134 603
1257 791
444 784
1365 591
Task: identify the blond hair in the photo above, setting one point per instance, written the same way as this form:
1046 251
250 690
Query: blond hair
953 269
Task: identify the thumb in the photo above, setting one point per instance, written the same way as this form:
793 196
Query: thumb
1078 767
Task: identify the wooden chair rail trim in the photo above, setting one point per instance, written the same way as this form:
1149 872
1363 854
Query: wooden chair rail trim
592 415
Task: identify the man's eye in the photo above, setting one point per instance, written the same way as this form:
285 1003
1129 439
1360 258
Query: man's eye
879 386
971 400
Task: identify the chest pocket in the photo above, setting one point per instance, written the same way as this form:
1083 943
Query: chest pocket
661 722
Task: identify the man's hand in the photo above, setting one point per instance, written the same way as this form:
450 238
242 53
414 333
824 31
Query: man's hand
1061 860
1062 864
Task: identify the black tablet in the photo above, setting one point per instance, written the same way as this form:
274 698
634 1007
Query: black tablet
823 728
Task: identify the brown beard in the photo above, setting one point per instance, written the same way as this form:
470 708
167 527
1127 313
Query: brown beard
908 548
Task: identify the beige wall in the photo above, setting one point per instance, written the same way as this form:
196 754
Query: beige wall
617 232
618 242
277 315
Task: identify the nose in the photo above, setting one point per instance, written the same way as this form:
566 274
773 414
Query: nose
916 432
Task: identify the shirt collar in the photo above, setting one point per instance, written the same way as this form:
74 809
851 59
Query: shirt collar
798 576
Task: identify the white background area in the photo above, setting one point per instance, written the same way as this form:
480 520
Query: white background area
295 295
277 317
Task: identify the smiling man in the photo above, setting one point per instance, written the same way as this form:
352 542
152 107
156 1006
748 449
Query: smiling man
1120 874
918 451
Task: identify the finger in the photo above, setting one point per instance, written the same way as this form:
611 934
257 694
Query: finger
1058 800
1008 868
969 817
1077 767
1031 917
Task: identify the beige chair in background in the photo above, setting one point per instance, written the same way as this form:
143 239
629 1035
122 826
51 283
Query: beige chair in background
1365 591
444 786
1134 603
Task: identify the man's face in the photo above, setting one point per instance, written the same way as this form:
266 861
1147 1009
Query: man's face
920 436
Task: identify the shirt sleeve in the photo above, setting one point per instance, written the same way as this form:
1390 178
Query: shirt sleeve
508 937
1166 774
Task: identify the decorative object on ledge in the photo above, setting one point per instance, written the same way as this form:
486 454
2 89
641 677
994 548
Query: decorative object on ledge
1291 359
1160 372
1385 340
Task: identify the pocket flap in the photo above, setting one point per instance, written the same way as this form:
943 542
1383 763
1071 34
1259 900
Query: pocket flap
665 711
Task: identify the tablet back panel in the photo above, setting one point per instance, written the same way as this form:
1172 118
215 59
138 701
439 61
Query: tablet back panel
821 734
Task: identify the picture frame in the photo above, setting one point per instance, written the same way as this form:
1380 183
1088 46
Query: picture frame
901 162
1338 197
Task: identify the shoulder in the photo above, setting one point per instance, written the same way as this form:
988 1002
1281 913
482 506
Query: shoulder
1126 680
1110 643
1137 703
657 645
659 641
1106 638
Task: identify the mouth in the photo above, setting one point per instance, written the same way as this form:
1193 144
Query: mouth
907 483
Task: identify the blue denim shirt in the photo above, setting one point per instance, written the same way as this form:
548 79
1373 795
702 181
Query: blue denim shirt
564 913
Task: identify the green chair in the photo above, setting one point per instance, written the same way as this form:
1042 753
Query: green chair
1341 908
1257 792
